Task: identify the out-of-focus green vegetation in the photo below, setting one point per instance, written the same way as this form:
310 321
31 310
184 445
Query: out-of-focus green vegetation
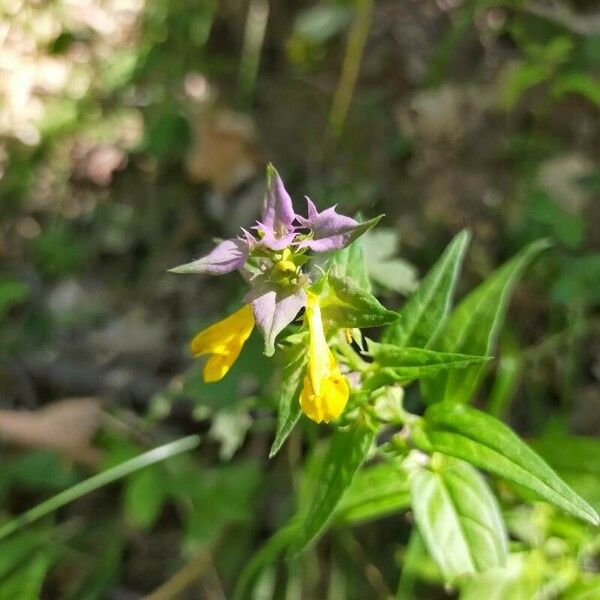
133 132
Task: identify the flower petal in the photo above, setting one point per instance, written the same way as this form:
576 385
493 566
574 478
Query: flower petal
325 391
329 402
270 239
274 309
232 330
331 231
227 256
223 341
278 212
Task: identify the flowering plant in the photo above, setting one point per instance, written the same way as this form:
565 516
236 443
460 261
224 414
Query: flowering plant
272 260
426 459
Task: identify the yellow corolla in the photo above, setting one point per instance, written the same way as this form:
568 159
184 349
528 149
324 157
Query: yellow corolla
223 341
325 390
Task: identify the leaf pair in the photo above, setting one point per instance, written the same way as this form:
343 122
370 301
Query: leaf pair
472 328
456 512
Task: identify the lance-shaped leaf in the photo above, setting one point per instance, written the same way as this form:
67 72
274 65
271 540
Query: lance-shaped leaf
469 434
577 461
474 326
266 555
289 410
396 364
426 310
346 453
458 517
347 305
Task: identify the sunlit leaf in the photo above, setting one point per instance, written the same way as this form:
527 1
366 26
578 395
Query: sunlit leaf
474 326
458 517
348 305
424 313
289 411
347 450
471 435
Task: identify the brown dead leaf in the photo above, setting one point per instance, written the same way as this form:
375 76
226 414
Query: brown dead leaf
224 153
67 426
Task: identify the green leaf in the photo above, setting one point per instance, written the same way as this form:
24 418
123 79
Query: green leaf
587 589
411 363
26 583
289 410
474 325
17 550
264 557
144 496
522 77
570 452
376 491
426 310
220 497
469 434
349 262
584 84
347 451
519 580
577 461
347 305
458 517
12 293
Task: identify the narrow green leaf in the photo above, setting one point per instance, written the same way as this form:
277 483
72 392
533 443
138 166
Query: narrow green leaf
463 432
474 326
376 491
289 406
576 459
458 517
347 305
426 310
395 364
347 451
18 549
99 480
419 361
26 582
264 557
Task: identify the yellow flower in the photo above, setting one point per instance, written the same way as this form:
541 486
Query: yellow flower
325 390
223 341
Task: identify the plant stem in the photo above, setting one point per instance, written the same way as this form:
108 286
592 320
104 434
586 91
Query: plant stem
357 39
97 481
352 357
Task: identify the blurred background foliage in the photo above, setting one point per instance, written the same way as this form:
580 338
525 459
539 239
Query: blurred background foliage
133 132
